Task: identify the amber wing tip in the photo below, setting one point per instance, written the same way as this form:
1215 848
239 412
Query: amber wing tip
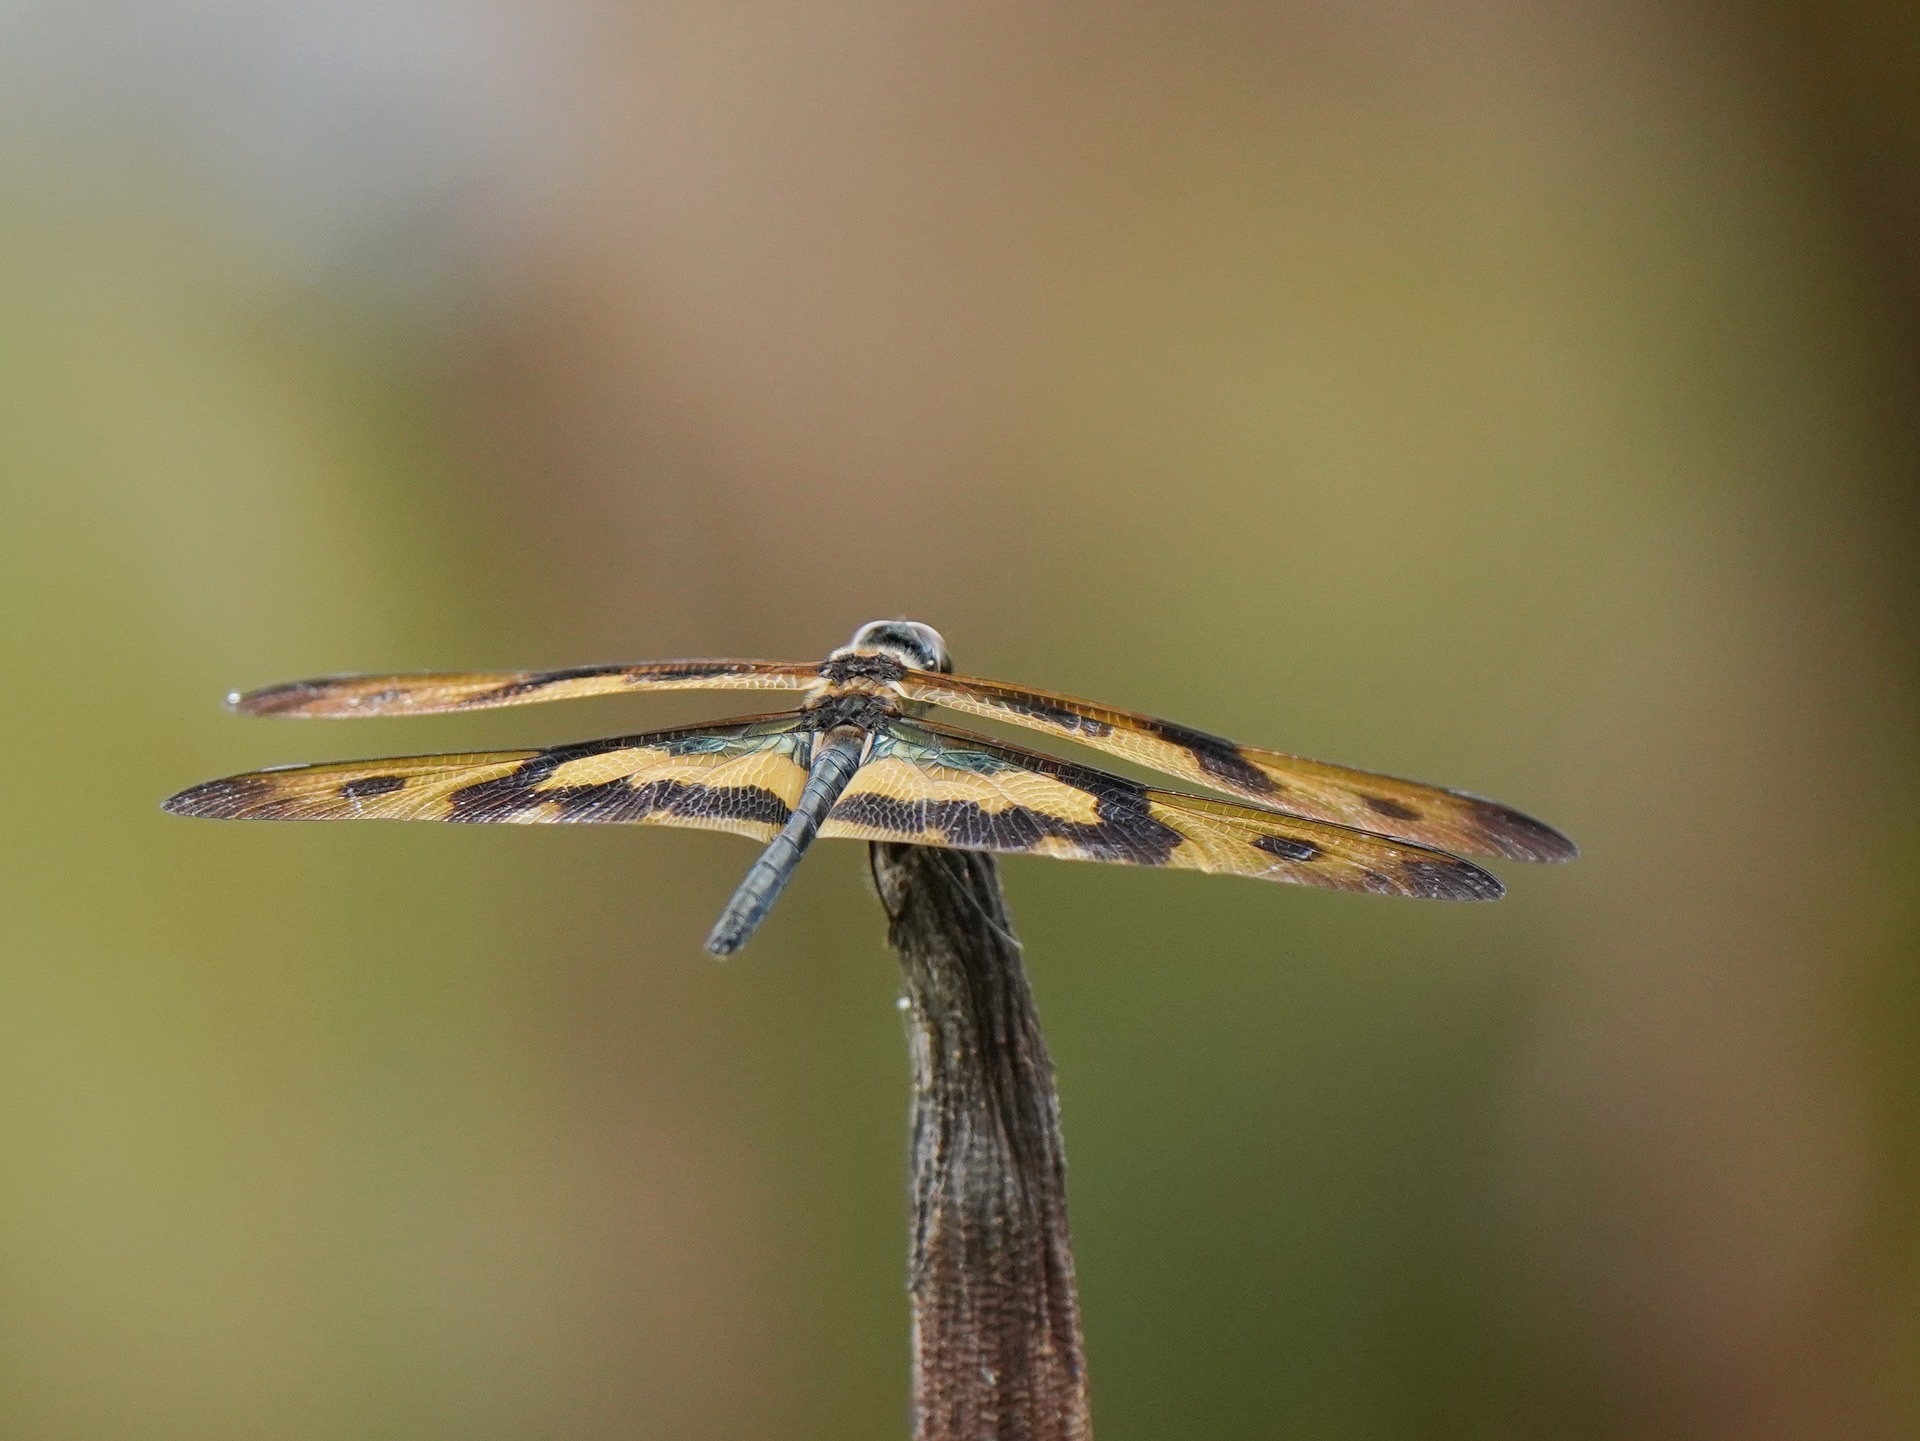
1516 836
231 798
1452 880
290 698
193 801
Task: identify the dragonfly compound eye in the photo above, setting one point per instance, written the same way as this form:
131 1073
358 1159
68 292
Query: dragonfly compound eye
920 646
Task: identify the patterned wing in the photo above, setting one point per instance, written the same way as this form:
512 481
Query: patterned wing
927 785
430 694
740 776
1406 810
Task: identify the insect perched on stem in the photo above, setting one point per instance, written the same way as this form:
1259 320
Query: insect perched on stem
860 759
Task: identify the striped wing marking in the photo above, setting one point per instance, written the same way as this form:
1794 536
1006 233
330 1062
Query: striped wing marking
926 785
434 693
1406 810
741 776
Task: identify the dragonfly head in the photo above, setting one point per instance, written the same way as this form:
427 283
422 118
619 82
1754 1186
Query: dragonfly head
907 641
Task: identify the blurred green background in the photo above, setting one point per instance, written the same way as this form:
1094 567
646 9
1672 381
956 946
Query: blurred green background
1515 395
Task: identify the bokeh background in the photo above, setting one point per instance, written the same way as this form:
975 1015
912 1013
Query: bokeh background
1513 394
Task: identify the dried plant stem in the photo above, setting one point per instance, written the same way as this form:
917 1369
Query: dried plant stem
996 1319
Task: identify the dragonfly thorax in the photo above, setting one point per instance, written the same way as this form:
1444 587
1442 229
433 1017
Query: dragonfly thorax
860 710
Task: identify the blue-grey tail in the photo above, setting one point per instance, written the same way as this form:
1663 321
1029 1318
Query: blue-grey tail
833 766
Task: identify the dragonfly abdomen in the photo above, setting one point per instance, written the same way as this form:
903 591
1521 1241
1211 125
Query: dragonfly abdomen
834 762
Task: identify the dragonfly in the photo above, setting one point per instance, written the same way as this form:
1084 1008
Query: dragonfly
863 757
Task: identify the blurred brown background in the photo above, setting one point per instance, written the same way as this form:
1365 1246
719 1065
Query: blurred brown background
1517 395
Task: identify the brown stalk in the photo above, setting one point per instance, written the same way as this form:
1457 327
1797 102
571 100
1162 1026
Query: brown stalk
996 1319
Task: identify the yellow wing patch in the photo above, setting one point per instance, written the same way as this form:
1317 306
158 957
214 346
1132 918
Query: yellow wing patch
894 777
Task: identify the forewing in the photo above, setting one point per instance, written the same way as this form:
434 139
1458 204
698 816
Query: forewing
927 785
741 776
431 694
1406 810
